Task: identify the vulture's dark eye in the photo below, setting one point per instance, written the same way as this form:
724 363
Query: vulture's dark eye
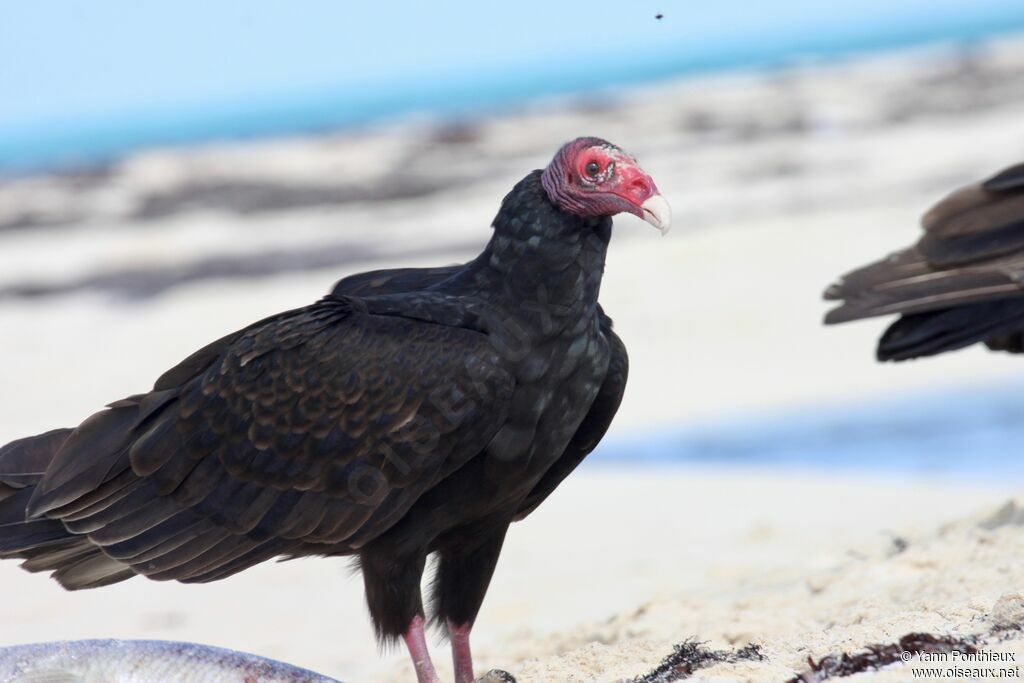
593 168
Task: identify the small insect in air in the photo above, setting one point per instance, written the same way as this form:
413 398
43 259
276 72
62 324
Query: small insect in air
659 15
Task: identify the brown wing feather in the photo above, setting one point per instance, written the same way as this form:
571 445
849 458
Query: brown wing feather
321 426
972 251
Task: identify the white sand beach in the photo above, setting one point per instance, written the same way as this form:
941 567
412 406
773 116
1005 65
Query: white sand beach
590 590
780 182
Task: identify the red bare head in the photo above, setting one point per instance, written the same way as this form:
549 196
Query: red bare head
592 177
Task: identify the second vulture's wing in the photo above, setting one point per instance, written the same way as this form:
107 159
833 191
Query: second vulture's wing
317 428
963 282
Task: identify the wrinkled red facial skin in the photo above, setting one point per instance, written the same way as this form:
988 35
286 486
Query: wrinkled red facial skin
591 177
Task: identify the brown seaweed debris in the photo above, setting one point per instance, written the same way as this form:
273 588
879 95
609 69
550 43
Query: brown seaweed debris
691 655
877 656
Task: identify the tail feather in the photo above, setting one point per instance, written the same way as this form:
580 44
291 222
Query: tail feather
46 544
17 532
36 533
24 462
55 555
92 571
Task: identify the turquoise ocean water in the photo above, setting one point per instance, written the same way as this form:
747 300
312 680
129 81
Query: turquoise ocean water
85 82
973 434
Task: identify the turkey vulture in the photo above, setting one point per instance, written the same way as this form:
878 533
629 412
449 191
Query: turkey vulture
409 413
963 282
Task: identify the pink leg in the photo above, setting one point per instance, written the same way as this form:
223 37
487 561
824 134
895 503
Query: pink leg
459 636
416 642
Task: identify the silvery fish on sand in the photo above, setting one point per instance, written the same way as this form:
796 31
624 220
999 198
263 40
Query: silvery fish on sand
142 661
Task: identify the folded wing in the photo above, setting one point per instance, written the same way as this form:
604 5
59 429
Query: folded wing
313 431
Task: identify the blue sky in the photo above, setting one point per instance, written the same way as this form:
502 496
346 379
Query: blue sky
75 69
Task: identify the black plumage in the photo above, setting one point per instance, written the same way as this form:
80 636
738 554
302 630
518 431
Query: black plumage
410 412
961 283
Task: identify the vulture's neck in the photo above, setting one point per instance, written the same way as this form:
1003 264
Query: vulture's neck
543 263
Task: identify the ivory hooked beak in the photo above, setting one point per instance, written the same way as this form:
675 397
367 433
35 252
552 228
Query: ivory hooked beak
657 212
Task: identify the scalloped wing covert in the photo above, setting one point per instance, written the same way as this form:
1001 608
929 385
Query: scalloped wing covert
319 426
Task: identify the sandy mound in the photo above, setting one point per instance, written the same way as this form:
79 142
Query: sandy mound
953 588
